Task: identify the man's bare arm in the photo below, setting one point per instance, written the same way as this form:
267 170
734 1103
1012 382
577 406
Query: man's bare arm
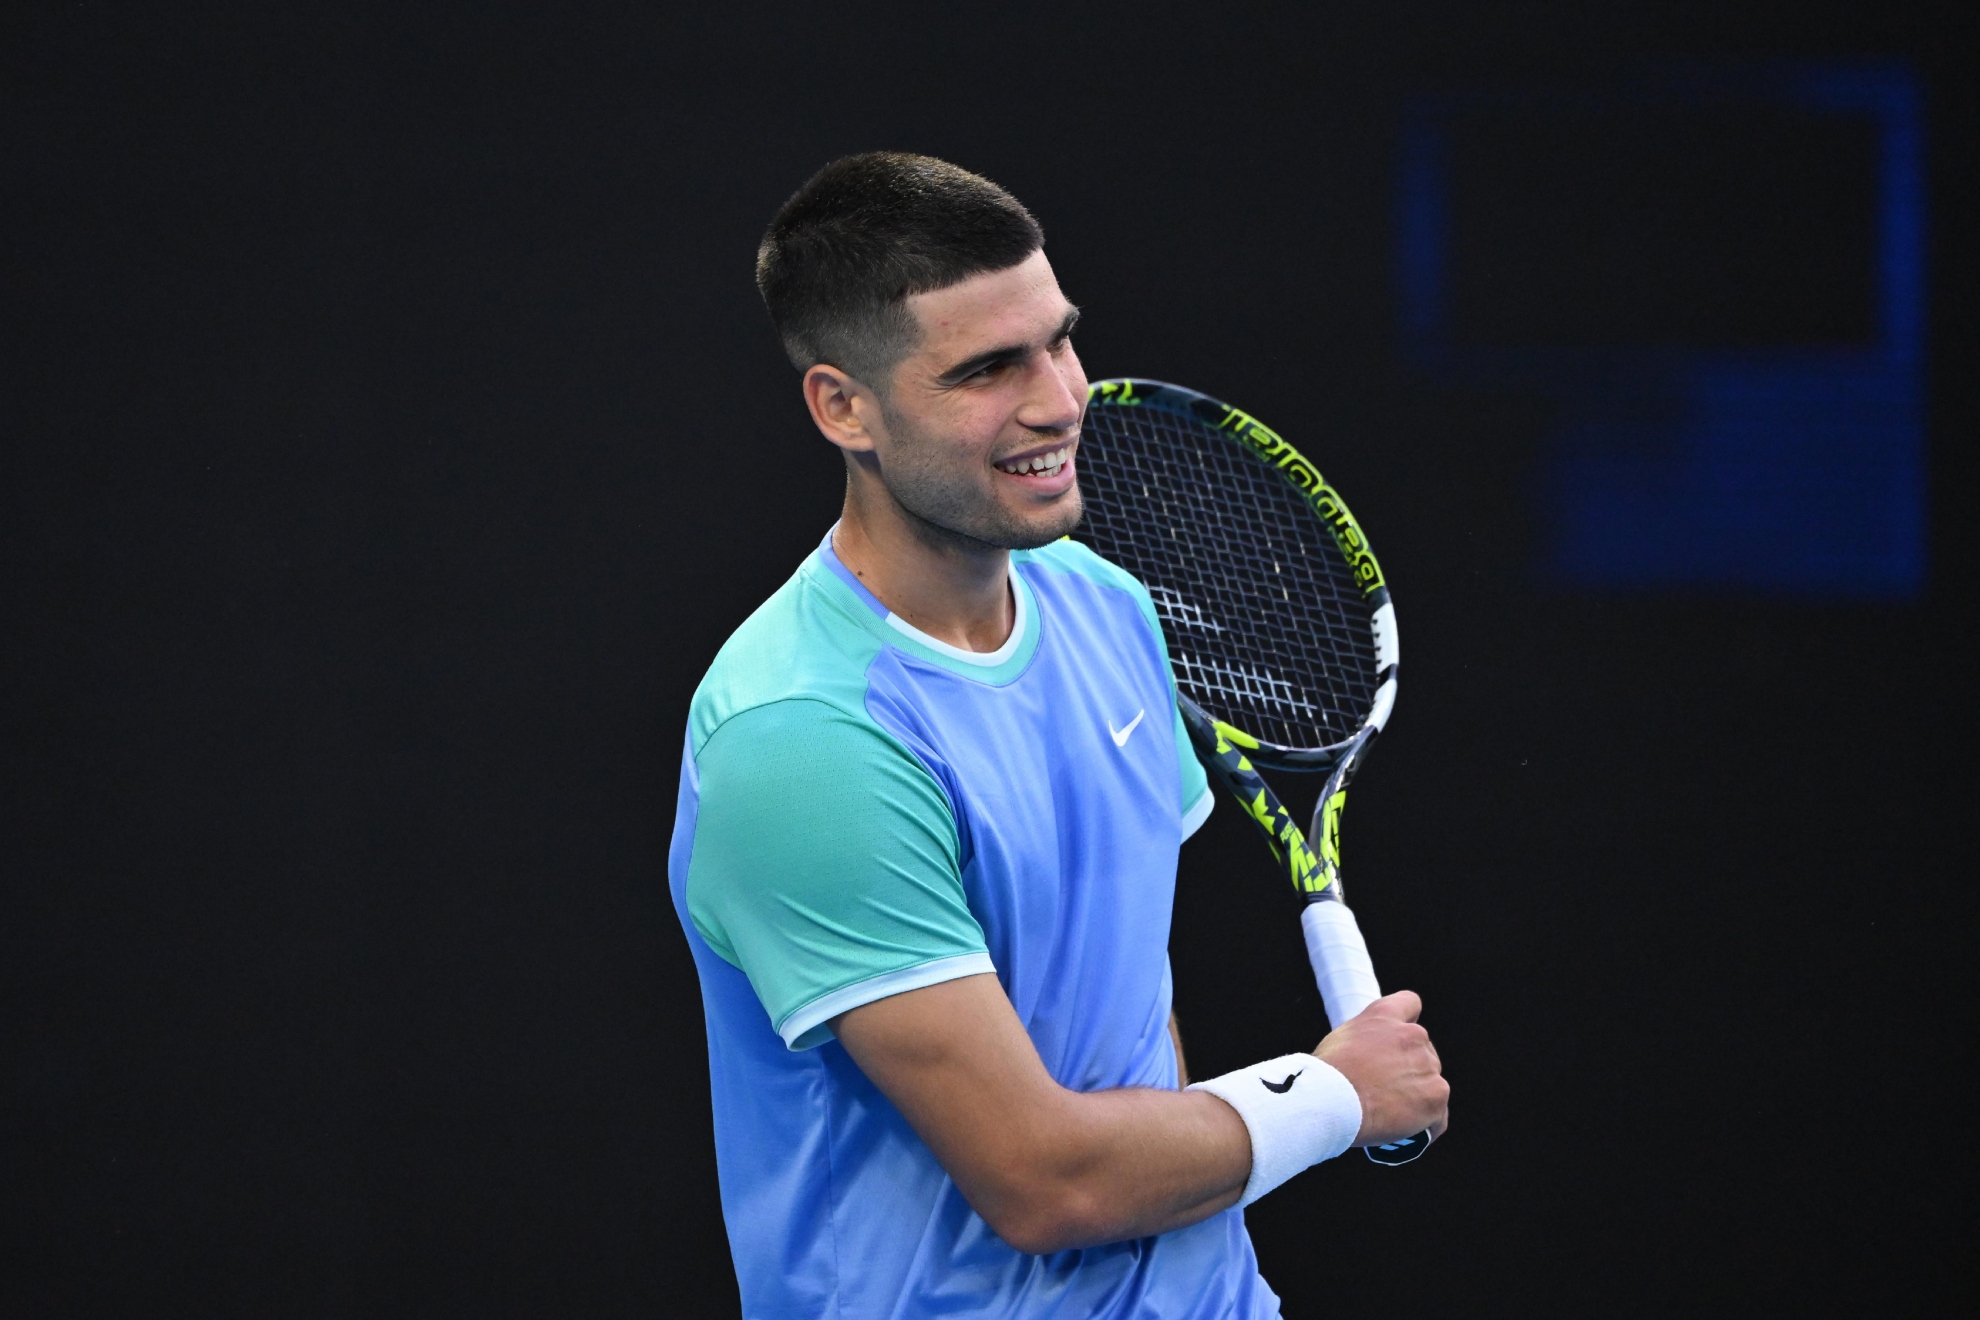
1046 1167
1175 1038
1050 1168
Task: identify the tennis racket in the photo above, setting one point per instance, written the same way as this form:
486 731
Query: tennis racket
1279 624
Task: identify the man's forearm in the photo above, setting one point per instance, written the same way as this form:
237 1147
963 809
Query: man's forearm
1047 1167
1114 1165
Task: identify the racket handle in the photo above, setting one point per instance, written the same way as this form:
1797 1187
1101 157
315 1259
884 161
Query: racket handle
1340 960
1347 983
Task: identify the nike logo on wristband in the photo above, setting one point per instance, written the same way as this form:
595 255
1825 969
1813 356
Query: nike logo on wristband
1280 1088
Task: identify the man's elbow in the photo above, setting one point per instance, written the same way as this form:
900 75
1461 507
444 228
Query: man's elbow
1041 1220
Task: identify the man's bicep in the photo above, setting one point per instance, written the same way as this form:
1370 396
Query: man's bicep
825 866
958 1064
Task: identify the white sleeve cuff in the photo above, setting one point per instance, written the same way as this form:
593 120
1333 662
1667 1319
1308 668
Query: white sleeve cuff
806 1027
1298 1110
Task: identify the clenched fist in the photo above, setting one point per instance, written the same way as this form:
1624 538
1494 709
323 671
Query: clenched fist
1394 1068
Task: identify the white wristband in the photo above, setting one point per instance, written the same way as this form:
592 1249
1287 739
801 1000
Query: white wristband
1298 1110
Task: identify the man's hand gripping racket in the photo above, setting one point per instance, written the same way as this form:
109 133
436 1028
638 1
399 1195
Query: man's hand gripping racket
1279 625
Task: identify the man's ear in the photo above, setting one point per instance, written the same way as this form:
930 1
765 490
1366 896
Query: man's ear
841 407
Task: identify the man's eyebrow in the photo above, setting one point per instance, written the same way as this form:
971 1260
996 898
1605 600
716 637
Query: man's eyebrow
996 357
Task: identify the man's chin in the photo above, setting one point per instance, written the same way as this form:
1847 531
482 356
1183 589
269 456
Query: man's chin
1058 522
999 528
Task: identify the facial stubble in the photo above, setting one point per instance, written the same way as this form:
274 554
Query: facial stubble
956 513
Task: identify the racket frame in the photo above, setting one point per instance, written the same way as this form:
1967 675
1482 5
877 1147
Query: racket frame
1274 451
1235 757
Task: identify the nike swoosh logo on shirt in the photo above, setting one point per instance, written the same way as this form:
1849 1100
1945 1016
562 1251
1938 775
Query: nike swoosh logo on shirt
1122 735
1280 1088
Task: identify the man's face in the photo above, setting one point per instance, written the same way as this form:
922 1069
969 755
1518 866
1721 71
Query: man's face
982 416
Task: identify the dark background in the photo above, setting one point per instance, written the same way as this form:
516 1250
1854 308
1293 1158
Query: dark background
392 434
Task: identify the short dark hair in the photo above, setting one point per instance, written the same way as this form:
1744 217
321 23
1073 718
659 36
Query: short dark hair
837 265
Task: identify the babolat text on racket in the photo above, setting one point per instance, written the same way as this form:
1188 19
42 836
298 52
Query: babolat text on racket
1279 624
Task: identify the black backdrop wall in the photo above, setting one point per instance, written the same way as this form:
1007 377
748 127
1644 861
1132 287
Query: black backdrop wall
392 434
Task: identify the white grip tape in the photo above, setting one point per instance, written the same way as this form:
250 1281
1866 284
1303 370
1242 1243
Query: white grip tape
1298 1110
1340 960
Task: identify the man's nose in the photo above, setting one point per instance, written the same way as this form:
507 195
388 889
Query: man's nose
1051 403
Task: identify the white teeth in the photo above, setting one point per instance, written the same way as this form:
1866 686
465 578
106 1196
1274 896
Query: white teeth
1045 463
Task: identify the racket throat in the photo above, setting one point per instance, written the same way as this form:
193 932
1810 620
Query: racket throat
1324 837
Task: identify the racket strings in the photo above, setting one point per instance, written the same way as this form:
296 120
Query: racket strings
1267 627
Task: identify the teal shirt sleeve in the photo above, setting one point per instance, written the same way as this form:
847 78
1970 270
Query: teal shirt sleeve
1196 795
826 866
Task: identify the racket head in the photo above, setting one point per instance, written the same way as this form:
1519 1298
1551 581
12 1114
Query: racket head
1279 622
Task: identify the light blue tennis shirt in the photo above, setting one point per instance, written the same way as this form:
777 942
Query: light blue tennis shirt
865 810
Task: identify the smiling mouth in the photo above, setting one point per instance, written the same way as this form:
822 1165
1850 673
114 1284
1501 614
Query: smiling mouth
1041 465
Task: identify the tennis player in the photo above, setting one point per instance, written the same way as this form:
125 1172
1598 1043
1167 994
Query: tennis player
925 850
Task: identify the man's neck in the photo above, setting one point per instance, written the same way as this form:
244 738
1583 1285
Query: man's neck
956 591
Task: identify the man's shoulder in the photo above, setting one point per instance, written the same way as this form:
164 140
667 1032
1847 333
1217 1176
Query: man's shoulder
1074 559
803 650
1066 555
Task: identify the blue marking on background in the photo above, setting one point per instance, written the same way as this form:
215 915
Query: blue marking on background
1794 469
